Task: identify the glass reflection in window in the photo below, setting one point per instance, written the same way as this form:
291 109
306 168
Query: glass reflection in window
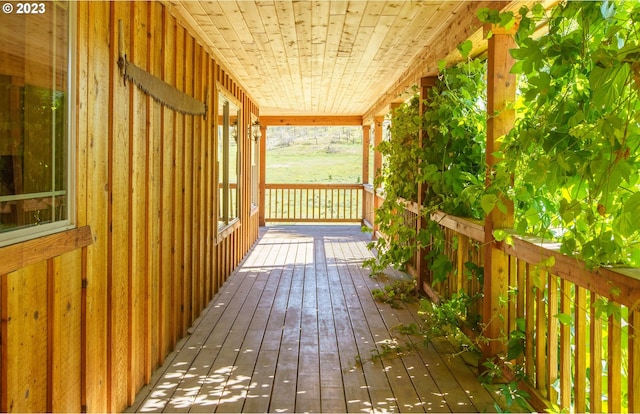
228 158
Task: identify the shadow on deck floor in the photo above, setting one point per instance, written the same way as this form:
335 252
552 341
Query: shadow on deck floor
285 332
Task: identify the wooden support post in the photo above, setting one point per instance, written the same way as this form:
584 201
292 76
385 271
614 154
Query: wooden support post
366 141
424 277
263 173
377 167
501 91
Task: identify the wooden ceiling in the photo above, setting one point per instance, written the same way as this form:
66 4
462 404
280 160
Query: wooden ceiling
327 57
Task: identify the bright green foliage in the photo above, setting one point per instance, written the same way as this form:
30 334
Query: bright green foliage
452 160
398 179
397 293
574 148
401 152
450 164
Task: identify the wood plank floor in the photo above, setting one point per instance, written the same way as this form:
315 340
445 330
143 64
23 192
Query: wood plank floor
285 332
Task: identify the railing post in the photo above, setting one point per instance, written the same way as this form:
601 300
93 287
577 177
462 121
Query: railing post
377 167
422 271
263 173
366 141
501 91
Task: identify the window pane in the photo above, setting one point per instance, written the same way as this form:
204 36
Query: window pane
233 161
228 158
222 109
34 126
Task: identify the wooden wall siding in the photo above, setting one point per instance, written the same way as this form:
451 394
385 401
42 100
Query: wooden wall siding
84 330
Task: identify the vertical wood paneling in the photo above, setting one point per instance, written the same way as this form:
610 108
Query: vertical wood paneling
154 206
198 228
187 186
138 275
169 194
27 324
97 201
154 315
66 321
210 185
4 354
179 233
119 218
81 193
96 321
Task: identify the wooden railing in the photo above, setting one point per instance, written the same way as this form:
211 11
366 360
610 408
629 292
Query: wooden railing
313 202
580 327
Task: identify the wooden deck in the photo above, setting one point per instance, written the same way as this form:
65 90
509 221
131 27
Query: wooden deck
284 334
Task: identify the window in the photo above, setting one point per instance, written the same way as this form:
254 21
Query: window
35 123
228 158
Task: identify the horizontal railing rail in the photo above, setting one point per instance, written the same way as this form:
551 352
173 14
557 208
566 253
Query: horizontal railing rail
580 327
313 203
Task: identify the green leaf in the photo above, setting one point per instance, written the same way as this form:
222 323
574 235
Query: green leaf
441 267
564 319
607 84
487 202
507 20
465 48
502 235
515 348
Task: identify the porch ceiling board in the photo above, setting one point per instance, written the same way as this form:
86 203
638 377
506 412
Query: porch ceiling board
330 57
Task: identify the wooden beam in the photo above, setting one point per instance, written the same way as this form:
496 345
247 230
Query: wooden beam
311 120
20 255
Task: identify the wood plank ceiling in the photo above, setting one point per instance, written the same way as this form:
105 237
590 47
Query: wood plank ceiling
327 57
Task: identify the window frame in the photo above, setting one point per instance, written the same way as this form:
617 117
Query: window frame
14 236
224 165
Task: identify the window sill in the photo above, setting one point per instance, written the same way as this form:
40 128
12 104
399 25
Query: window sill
20 255
227 230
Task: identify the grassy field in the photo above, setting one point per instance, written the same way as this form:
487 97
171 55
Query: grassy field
314 155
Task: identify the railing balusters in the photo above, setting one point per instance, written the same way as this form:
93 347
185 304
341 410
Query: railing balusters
634 361
530 326
565 345
582 336
541 339
313 202
614 362
595 350
552 338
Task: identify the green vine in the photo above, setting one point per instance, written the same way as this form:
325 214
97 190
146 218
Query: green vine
449 164
570 164
574 147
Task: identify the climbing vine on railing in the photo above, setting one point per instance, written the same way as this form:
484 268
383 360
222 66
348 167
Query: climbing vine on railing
574 148
397 180
449 164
